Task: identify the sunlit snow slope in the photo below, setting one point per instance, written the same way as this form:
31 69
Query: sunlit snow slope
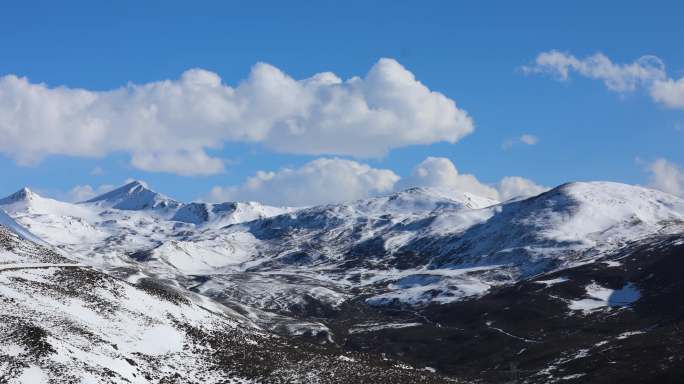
62 321
412 247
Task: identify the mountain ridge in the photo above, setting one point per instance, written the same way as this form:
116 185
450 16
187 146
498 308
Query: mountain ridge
133 196
343 275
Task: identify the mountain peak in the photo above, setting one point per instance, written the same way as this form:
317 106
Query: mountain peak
24 194
136 183
134 195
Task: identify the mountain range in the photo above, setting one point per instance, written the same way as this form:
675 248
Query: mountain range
577 284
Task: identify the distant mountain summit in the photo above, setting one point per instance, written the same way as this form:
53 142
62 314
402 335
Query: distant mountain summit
23 194
421 200
222 214
134 196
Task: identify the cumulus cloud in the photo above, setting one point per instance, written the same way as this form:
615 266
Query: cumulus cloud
669 92
441 173
515 186
169 125
86 192
183 163
667 177
331 180
320 181
647 72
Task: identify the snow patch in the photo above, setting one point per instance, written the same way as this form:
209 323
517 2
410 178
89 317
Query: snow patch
374 327
551 282
160 340
625 335
33 375
601 297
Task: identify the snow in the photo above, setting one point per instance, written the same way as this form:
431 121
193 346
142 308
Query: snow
106 325
612 212
16 228
457 245
612 263
12 350
626 335
206 256
159 340
33 375
223 214
420 200
28 202
552 282
133 196
97 328
99 234
601 297
489 324
426 289
374 327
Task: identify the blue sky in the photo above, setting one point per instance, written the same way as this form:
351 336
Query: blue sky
472 52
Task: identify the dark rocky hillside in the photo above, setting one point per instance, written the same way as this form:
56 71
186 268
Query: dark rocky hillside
527 332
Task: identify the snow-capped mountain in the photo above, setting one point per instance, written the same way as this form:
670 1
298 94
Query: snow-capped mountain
222 214
23 194
414 246
331 272
134 196
448 250
105 229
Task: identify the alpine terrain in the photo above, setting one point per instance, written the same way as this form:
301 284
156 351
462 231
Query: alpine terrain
581 283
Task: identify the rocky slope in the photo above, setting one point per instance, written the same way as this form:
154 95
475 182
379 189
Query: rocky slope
438 279
618 319
61 321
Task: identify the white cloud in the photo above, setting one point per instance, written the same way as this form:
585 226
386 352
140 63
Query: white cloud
441 173
667 177
525 138
669 93
169 125
617 77
86 192
183 163
97 171
330 180
516 186
320 181
646 72
529 139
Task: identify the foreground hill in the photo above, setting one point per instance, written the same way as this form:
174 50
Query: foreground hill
62 321
616 320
